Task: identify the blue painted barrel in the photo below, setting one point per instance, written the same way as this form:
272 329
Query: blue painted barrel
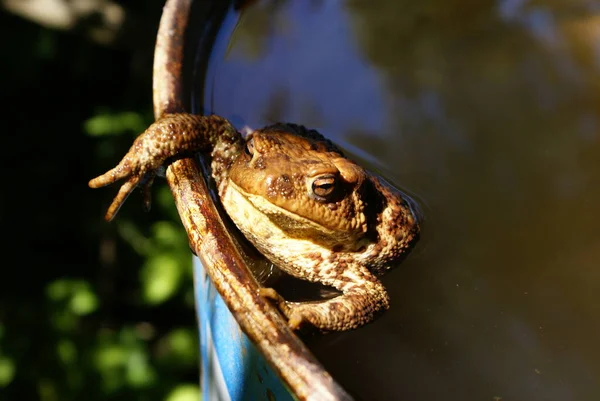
231 367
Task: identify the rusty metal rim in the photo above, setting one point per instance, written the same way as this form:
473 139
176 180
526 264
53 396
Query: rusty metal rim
288 356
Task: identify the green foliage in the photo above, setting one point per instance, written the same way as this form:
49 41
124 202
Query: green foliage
180 342
76 295
107 123
122 359
92 310
7 371
186 392
160 278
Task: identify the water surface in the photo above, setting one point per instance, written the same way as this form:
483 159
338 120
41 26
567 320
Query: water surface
488 112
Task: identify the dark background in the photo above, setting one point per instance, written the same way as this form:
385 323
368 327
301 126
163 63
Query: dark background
88 309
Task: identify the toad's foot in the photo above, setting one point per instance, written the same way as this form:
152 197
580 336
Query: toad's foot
124 171
348 311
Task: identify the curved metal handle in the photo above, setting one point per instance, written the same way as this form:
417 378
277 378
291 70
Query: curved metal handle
287 355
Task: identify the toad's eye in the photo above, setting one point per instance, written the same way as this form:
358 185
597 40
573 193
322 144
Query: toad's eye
249 148
323 186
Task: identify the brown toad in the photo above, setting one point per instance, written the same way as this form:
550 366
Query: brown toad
311 211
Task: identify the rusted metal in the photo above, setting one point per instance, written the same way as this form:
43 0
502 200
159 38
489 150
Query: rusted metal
290 359
168 92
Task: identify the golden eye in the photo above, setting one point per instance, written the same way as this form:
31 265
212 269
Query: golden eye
324 186
249 148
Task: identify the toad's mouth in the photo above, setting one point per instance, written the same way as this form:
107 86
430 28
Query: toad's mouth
255 214
280 216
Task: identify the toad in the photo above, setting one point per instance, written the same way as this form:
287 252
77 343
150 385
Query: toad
310 210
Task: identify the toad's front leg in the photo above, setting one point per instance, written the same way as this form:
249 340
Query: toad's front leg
170 136
363 297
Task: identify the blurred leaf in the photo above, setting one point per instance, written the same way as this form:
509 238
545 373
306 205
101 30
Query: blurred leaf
161 276
184 392
83 301
139 372
183 345
67 352
164 200
47 390
7 371
123 359
128 337
110 357
64 320
109 361
167 233
134 237
114 123
59 290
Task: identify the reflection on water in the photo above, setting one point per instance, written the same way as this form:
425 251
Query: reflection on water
489 112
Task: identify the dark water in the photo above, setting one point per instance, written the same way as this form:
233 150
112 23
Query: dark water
487 111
